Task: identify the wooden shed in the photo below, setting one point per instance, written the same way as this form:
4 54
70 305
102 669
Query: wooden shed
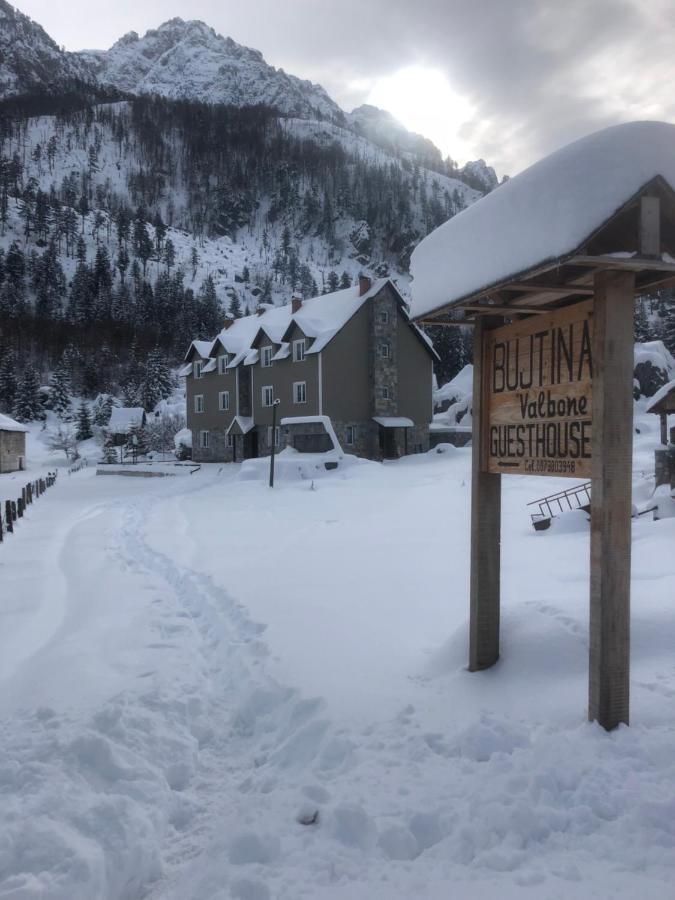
663 404
12 445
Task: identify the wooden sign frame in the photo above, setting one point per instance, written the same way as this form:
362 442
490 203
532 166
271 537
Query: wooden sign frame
610 469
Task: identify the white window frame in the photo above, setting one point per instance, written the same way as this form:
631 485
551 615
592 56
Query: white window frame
384 392
296 392
222 364
197 368
384 316
277 435
299 350
199 403
266 354
223 395
350 435
230 441
383 350
265 396
204 438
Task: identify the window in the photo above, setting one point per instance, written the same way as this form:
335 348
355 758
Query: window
199 403
222 365
298 351
384 350
268 395
350 435
224 400
384 317
204 440
266 357
277 431
230 441
300 392
197 369
384 393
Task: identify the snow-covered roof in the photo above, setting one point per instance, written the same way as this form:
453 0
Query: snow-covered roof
659 397
8 424
393 421
185 370
123 418
245 424
544 213
319 318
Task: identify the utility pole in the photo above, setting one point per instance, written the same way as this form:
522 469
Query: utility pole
274 428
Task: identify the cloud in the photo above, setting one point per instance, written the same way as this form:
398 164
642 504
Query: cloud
536 73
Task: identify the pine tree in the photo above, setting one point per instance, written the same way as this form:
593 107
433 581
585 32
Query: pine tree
641 328
333 282
84 431
345 280
8 380
669 328
59 391
102 409
28 404
235 307
157 382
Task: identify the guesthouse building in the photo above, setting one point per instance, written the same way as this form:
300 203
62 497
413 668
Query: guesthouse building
352 355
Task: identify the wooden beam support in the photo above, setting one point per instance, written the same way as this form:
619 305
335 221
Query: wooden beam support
563 289
612 449
650 226
627 263
485 526
495 309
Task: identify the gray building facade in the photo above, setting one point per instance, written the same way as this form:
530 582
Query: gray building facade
353 356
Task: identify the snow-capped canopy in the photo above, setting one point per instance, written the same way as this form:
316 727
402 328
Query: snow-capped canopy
545 213
393 421
124 418
8 424
658 404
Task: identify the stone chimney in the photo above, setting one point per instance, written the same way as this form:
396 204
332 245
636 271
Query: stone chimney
261 310
296 302
365 285
228 323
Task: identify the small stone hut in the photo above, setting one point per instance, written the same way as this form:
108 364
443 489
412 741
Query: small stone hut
12 445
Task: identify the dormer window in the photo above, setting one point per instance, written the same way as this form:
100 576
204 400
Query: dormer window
266 354
383 350
197 369
299 350
222 364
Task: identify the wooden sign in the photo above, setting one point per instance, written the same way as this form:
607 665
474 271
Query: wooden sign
537 399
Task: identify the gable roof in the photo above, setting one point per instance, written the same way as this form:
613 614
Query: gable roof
319 318
123 418
543 214
9 424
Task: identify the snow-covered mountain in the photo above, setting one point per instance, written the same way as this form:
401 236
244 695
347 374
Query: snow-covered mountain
189 60
31 62
380 127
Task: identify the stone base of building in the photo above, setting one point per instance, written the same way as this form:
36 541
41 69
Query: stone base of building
364 439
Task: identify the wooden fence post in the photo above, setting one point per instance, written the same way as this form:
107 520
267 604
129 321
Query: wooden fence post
485 527
8 516
611 468
19 508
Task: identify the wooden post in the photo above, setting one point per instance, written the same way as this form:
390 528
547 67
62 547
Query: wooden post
612 452
664 428
485 528
650 226
8 516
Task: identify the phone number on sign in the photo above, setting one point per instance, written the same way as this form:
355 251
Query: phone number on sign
550 466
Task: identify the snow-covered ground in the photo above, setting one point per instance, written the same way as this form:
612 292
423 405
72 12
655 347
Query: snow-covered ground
191 665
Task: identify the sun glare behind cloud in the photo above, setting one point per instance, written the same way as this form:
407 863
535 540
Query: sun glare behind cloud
423 100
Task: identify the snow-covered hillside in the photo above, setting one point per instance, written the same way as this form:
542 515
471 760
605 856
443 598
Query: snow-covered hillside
31 62
189 60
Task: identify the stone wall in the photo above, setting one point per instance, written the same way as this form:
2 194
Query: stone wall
384 370
217 451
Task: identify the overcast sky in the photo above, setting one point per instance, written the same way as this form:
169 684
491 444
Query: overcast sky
506 80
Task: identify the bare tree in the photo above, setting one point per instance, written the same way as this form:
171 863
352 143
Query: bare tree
63 440
161 431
